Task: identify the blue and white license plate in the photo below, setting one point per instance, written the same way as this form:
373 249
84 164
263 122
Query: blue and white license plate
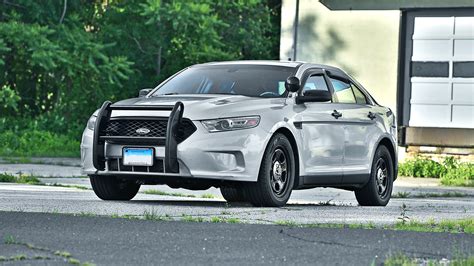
138 156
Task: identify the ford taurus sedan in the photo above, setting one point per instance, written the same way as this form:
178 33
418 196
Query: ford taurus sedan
255 129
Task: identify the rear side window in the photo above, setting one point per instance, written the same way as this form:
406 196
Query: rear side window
343 91
316 82
359 95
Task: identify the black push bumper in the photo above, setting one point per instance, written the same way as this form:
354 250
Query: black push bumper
171 139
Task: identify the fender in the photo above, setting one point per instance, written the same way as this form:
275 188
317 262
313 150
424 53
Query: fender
395 155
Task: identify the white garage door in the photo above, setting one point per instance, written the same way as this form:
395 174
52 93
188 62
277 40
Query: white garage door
442 72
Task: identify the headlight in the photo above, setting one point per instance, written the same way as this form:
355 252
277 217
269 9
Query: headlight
91 122
233 123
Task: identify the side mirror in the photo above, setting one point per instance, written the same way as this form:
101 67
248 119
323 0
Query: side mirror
292 84
314 96
143 93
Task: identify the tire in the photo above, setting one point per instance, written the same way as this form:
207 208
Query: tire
233 194
378 190
112 188
275 180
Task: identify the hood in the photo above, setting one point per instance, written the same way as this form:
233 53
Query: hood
197 107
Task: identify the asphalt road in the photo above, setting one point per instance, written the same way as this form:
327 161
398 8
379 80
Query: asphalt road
321 205
109 241
306 208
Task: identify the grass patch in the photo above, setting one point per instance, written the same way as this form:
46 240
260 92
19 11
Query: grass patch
231 220
38 143
207 196
451 171
449 194
446 226
68 186
403 260
21 179
163 193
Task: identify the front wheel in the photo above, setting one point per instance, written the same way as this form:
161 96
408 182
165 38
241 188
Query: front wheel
233 194
378 190
112 188
276 177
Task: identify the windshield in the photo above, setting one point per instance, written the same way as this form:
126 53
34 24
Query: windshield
247 80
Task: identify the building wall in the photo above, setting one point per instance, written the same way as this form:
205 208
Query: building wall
363 43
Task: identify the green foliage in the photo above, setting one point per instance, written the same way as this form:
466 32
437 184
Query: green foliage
421 167
8 100
451 226
22 179
56 70
462 174
451 171
37 143
403 260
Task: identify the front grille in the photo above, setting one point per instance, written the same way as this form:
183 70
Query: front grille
157 128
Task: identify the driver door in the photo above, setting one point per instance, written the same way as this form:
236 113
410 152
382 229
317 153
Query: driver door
322 135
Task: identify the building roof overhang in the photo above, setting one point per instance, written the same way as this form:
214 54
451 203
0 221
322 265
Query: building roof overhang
394 4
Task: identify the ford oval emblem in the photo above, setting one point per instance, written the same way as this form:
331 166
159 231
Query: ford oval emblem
142 131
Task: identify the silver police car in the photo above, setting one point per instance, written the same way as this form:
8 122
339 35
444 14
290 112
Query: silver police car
255 129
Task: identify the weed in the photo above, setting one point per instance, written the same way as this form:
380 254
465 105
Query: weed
9 240
74 261
403 214
207 196
189 218
63 254
154 216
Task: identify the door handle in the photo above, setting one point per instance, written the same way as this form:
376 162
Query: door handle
336 114
371 116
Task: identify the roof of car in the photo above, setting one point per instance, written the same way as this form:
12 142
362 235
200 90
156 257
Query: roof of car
295 64
299 65
256 62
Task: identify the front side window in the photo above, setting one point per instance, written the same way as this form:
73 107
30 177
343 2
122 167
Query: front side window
246 80
316 82
343 91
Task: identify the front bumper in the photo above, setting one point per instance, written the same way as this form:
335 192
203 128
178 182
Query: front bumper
230 156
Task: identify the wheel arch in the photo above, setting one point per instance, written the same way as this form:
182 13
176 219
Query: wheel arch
385 141
288 134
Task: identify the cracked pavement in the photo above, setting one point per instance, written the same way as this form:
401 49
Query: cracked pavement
109 241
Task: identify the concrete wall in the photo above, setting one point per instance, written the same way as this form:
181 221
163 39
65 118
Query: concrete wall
363 43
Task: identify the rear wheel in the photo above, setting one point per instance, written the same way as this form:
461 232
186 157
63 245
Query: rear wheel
378 190
233 194
112 188
276 176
